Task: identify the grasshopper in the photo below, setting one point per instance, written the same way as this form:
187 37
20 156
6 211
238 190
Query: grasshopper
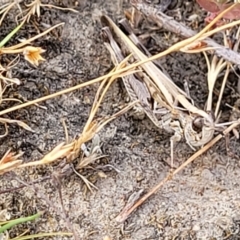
157 93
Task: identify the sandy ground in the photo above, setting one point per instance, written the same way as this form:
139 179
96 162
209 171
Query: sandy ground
201 202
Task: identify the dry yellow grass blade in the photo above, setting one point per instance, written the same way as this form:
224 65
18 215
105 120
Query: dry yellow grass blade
127 70
19 123
88 160
5 72
34 8
104 86
68 90
71 149
96 126
9 162
6 79
92 127
60 151
6 8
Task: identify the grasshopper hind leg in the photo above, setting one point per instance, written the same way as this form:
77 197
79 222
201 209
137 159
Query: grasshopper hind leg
178 134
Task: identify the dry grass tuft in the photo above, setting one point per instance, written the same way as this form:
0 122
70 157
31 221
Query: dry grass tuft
71 150
31 54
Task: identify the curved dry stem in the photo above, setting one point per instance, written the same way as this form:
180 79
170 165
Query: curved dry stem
60 8
130 67
99 98
222 89
72 149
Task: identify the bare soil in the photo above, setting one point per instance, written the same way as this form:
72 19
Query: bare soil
201 202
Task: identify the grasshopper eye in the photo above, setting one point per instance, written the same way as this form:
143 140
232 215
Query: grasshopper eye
104 34
198 123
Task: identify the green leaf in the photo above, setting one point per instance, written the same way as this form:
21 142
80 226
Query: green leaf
10 35
12 223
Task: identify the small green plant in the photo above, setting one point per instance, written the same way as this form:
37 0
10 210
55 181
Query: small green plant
5 226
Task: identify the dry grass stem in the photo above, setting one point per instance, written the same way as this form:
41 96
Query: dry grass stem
6 78
171 25
224 82
214 69
6 8
60 8
65 130
98 98
19 123
71 150
117 74
184 43
88 183
35 6
89 157
89 160
20 47
60 151
10 161
125 213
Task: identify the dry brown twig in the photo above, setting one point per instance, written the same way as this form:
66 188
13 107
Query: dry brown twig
171 25
126 212
71 150
91 128
214 69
